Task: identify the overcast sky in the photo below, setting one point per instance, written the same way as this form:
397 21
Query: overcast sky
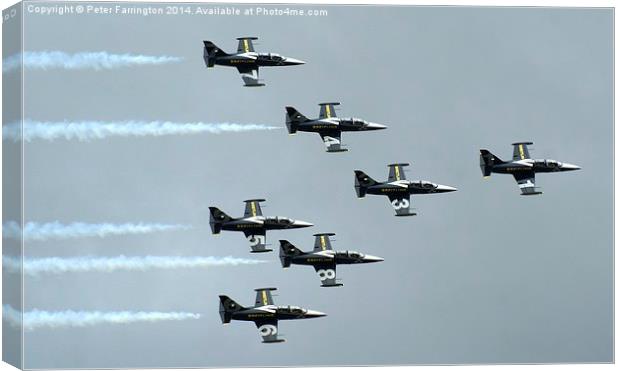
480 275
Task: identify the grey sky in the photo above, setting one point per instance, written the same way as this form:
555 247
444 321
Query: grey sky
480 275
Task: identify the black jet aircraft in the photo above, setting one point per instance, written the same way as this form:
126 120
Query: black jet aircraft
328 125
397 188
253 224
264 314
522 167
323 258
245 59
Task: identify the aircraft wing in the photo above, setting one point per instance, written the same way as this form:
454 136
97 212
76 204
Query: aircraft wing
252 208
401 204
396 172
246 44
527 183
257 240
327 274
249 76
268 330
520 151
263 297
332 141
327 110
322 242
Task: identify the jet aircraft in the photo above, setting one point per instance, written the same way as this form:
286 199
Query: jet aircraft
253 224
328 125
522 167
245 59
323 258
264 314
397 188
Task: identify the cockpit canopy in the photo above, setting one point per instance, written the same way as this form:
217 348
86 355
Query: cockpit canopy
548 163
426 184
272 56
357 122
284 221
291 309
354 254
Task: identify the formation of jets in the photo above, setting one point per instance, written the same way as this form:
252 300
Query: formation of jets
397 188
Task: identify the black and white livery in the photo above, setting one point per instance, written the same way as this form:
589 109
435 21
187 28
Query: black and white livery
323 258
329 126
522 167
253 224
397 188
246 60
264 314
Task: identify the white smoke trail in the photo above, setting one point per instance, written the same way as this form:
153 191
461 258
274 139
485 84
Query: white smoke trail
80 61
55 265
38 318
44 231
90 130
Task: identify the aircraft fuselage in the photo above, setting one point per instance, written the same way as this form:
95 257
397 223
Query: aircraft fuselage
333 257
531 165
263 223
271 312
253 60
338 124
408 187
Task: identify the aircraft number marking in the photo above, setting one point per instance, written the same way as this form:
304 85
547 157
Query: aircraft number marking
400 204
326 274
256 240
330 141
267 330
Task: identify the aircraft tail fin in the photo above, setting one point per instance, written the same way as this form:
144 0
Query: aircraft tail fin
487 160
288 251
217 218
363 181
227 308
211 51
294 118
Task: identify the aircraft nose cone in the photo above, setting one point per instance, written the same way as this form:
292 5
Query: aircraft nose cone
301 223
566 166
315 314
375 126
294 61
373 259
445 188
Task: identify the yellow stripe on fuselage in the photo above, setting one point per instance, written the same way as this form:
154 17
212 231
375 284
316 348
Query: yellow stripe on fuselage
246 46
521 153
397 172
328 111
264 297
253 205
323 242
